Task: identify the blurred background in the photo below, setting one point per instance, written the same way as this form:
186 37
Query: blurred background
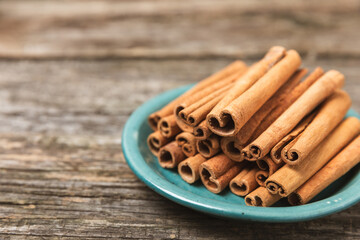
65 65
71 73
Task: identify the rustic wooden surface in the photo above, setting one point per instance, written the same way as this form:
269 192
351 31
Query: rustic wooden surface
73 71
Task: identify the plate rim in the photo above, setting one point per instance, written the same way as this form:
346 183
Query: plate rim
339 201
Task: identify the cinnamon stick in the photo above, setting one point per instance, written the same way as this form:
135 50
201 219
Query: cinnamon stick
216 122
208 147
232 146
198 96
290 177
268 164
231 149
217 172
329 116
238 112
202 131
244 182
261 197
316 93
168 126
182 125
155 141
187 142
261 176
268 167
189 168
334 169
170 155
200 114
155 117
247 130
197 111
275 152
288 99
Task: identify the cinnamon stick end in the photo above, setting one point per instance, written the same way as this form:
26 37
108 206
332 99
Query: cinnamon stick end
231 150
292 157
253 201
239 188
274 188
186 173
206 178
153 121
170 155
166 160
255 151
154 149
223 126
261 177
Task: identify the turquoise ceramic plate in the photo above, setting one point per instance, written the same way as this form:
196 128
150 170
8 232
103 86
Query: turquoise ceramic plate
340 195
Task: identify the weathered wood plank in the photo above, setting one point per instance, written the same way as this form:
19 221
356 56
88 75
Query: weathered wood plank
98 197
96 97
177 29
62 173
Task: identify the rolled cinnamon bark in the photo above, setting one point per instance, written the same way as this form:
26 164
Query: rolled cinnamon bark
236 66
261 176
217 172
183 126
168 126
287 101
239 111
275 101
334 169
275 152
202 131
230 149
216 122
171 155
268 164
195 112
268 167
189 168
232 146
311 98
261 197
329 116
208 147
290 177
187 142
212 90
200 114
155 141
244 182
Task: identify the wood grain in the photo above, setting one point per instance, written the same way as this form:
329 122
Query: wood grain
177 29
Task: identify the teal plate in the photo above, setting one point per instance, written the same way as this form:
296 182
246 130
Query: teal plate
340 195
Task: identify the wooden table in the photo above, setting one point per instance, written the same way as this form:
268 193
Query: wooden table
71 74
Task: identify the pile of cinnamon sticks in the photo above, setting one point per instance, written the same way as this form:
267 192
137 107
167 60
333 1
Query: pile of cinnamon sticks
268 131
